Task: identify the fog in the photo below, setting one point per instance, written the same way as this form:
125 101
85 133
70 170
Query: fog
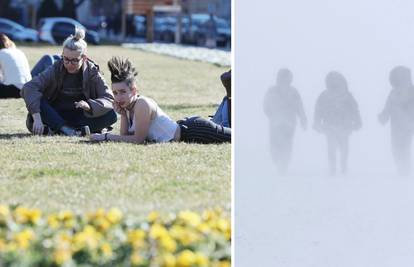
308 217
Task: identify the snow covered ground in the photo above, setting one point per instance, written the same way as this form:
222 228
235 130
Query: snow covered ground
214 56
307 218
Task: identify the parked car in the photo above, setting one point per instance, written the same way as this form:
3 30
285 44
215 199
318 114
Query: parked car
17 32
195 30
56 29
164 28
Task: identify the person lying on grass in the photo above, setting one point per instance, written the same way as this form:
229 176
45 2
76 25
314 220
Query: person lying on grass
69 95
142 120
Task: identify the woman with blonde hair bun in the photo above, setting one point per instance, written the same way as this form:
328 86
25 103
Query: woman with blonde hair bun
70 97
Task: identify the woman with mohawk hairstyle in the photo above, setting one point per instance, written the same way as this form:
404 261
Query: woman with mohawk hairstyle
142 120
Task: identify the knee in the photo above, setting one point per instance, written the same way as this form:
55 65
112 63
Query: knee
112 117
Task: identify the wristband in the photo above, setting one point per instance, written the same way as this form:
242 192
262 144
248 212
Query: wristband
106 137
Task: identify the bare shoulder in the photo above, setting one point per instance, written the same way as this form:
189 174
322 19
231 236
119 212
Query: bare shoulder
144 104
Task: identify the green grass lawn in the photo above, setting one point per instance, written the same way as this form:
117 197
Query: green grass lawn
54 173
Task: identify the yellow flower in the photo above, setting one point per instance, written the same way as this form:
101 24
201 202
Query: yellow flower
65 215
183 235
168 260
223 264
102 224
204 228
201 260
21 214
189 218
100 213
60 256
157 231
106 249
23 238
223 225
69 224
52 221
135 235
153 216
2 245
34 216
4 212
114 216
186 258
64 237
209 215
136 238
168 244
25 215
136 259
88 238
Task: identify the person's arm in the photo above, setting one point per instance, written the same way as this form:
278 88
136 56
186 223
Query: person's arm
384 116
356 116
317 117
301 112
104 100
143 111
32 91
124 119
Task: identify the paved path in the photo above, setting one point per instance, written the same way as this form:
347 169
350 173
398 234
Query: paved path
214 56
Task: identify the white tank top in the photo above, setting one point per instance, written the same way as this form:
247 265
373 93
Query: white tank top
162 128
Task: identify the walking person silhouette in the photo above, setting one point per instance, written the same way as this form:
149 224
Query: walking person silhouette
283 106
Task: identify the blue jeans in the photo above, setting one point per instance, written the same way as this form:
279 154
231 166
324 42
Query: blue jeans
44 63
55 119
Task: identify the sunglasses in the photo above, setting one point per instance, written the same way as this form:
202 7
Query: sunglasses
73 61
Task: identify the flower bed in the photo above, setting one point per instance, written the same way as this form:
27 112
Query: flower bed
108 238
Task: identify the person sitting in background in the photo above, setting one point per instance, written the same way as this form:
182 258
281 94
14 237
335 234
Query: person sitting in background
142 120
14 69
43 63
223 113
69 95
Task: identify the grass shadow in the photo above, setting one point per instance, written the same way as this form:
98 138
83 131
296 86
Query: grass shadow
14 135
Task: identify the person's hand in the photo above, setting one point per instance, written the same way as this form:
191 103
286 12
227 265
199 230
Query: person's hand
118 109
97 137
83 105
38 126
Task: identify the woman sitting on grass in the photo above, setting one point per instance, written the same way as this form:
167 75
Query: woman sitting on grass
71 95
142 120
14 68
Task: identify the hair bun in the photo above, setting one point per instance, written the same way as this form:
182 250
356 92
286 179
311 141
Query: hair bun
79 34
